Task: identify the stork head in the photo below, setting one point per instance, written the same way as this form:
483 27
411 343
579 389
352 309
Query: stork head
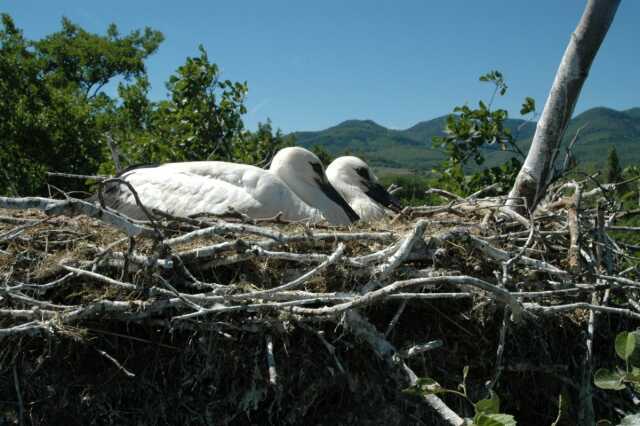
303 172
351 172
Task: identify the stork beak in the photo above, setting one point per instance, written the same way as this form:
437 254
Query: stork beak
334 196
331 192
376 192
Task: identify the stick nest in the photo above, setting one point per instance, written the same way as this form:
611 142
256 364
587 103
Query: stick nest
104 320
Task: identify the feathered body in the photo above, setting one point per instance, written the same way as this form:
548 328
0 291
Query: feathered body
292 186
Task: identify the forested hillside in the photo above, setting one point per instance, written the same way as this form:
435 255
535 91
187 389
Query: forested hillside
412 148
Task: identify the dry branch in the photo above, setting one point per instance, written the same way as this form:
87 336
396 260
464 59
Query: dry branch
536 172
62 276
365 330
74 207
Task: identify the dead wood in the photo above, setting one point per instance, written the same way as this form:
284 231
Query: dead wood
238 317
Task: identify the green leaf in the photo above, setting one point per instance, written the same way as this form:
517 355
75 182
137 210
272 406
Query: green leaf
424 386
634 375
488 406
630 420
635 357
463 385
625 345
494 420
529 105
563 409
607 379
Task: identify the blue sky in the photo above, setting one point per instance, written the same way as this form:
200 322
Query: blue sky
311 65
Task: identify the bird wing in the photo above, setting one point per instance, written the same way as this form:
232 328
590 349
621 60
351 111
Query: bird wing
271 194
177 193
240 175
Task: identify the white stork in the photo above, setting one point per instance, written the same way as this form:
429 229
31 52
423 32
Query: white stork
295 185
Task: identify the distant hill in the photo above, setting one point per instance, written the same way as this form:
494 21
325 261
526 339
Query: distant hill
412 149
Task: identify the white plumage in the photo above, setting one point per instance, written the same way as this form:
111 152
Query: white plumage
295 185
355 181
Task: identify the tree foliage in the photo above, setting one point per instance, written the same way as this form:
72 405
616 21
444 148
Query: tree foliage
22 101
487 411
259 147
323 154
56 113
412 188
469 132
73 56
200 120
203 114
614 170
52 122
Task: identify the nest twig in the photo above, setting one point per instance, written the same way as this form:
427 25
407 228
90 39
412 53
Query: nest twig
63 273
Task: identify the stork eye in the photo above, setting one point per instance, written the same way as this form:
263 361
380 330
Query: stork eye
317 168
363 172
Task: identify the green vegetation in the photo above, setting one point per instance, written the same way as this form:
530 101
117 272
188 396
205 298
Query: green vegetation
487 411
625 197
614 171
413 149
323 154
620 378
58 118
413 186
56 114
467 134
50 101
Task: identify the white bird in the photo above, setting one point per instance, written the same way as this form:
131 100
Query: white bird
295 185
355 181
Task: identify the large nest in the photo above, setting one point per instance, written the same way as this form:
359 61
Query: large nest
104 320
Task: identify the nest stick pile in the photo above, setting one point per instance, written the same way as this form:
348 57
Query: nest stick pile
275 300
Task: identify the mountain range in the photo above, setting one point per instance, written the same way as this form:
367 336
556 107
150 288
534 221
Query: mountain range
411 149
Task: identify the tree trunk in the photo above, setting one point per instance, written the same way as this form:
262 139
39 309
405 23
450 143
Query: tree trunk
536 172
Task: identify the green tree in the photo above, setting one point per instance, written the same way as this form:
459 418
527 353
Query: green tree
23 97
323 154
259 147
51 99
200 120
203 114
73 56
614 171
468 131
56 115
